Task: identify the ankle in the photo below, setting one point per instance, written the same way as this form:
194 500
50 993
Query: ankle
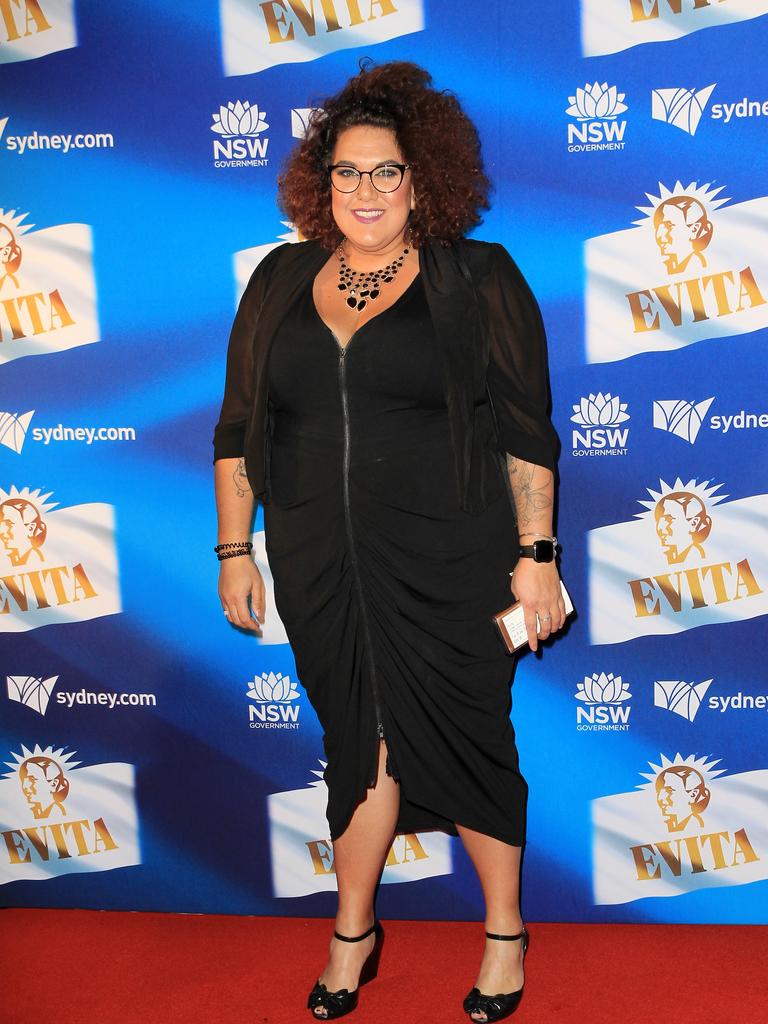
505 925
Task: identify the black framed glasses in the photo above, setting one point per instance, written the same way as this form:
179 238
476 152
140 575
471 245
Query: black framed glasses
384 178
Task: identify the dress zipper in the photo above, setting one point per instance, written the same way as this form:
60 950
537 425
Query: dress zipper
350 535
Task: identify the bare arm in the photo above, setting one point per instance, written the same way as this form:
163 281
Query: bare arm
536 584
239 578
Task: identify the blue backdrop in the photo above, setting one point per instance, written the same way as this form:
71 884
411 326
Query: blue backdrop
157 759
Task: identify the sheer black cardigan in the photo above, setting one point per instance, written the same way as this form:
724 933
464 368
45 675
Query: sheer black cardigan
495 369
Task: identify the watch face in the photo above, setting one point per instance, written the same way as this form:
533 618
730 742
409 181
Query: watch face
543 551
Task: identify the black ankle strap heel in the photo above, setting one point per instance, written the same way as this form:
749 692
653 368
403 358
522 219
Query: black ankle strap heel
339 1003
357 938
503 1004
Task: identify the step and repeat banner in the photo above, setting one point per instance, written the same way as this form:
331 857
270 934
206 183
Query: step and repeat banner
152 757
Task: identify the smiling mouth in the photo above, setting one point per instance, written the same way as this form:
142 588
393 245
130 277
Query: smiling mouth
368 214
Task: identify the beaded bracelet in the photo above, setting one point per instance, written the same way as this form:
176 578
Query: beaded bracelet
232 549
221 555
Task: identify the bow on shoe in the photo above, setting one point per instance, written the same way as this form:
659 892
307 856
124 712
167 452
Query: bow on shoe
494 1007
336 1004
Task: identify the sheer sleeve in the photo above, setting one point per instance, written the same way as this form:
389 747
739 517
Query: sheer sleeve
230 431
517 374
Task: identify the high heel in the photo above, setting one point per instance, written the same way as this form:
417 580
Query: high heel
341 1002
501 1005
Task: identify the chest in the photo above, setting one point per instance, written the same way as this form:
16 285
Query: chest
345 320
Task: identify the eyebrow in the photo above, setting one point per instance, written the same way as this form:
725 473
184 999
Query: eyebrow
379 163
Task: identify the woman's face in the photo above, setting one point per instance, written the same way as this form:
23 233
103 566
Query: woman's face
372 221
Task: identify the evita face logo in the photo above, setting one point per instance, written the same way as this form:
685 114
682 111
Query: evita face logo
692 558
601 418
241 143
596 109
605 707
59 817
692 268
273 708
688 827
59 566
47 288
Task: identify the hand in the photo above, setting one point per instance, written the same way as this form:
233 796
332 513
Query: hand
239 580
537 586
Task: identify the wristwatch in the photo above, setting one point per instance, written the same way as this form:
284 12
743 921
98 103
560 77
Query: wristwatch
540 550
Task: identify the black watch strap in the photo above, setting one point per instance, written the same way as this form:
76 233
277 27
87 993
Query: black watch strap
539 551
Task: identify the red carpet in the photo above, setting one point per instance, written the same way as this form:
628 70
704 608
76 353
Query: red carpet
72 967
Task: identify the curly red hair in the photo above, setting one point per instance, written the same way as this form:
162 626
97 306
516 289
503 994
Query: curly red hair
433 133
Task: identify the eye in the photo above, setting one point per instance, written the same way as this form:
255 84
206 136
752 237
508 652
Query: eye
386 172
345 172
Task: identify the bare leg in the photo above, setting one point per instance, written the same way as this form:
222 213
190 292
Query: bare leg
359 856
498 868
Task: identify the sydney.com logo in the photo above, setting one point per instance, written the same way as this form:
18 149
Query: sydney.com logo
62 142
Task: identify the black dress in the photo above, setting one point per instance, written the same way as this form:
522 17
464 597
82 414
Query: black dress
385 586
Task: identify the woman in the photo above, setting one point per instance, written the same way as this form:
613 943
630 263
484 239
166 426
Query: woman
364 370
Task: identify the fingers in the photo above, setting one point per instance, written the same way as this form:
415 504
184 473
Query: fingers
243 601
530 628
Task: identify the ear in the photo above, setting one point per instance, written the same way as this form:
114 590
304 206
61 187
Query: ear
413 199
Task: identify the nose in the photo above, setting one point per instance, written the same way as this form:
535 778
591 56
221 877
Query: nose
365 185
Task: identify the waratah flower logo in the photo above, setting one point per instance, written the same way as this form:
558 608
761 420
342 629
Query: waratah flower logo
600 410
239 119
595 101
272 688
605 688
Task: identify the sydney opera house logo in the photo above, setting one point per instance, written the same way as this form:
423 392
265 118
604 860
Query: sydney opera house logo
681 698
689 826
256 36
13 429
680 417
34 28
691 268
608 26
682 108
692 558
32 691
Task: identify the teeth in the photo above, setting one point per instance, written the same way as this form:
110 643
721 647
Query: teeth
369 214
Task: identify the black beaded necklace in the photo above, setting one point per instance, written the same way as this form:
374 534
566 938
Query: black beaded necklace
363 285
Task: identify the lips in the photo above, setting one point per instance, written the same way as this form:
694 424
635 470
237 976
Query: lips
366 215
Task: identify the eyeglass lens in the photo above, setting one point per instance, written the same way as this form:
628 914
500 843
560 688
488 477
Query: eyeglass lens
386 178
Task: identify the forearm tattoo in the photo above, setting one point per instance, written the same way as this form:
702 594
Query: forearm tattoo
532 499
240 479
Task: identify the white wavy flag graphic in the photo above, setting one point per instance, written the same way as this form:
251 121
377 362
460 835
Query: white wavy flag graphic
608 26
635 855
256 36
717 304
95 829
75 580
302 855
59 261
36 29
632 551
